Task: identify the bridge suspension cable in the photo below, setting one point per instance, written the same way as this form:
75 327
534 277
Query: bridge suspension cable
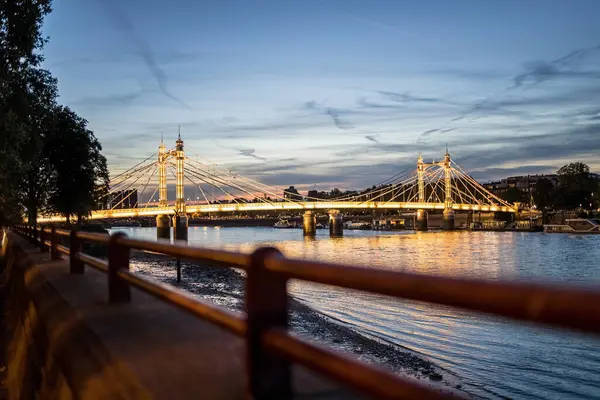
442 185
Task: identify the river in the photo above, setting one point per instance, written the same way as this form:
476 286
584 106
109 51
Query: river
493 357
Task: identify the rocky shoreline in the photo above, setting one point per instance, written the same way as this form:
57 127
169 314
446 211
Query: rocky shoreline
225 286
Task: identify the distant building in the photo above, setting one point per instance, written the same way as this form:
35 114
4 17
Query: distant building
526 184
291 193
313 194
124 199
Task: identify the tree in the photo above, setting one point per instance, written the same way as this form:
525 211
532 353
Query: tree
576 186
512 195
79 170
20 45
42 93
544 193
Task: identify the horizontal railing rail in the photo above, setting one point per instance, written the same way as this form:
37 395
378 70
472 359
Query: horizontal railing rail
270 348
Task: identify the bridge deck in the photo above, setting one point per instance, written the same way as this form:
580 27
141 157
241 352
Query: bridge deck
285 206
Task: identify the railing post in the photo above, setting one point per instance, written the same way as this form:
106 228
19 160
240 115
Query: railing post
118 259
269 376
76 266
42 239
35 235
53 243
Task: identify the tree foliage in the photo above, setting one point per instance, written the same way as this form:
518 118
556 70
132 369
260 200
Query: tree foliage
544 193
49 160
512 195
77 165
576 186
21 43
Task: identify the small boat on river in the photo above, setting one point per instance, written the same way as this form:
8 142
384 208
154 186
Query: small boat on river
388 224
357 225
285 224
577 225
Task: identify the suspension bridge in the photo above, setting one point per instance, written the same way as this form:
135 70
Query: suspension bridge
442 185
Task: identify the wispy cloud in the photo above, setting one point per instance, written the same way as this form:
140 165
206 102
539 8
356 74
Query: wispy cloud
540 71
110 100
408 98
242 152
366 103
250 153
537 72
332 112
122 22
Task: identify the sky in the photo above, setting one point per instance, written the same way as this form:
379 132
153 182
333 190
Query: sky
335 93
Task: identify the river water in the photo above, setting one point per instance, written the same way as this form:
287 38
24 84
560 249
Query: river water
493 357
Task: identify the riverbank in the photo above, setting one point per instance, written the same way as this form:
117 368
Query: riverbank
225 287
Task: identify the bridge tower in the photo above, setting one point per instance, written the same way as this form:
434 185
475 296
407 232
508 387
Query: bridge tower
448 223
421 224
180 220
162 174
163 221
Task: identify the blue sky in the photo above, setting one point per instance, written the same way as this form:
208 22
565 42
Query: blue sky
335 93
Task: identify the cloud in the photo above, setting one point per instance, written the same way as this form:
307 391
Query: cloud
125 25
489 174
488 107
539 71
371 138
250 153
364 102
334 113
242 152
429 132
574 143
272 166
408 98
109 100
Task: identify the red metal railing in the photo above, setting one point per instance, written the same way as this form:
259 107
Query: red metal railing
270 347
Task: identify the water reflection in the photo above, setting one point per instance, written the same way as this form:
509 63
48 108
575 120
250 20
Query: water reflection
495 358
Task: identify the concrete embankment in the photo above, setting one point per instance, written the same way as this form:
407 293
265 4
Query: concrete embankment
62 340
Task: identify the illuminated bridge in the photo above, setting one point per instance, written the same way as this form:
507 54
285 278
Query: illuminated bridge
439 185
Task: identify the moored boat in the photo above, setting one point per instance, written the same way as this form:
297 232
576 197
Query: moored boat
388 224
357 225
577 225
285 224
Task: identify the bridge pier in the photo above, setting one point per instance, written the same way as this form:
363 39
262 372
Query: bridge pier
448 224
309 223
336 224
163 227
421 224
180 227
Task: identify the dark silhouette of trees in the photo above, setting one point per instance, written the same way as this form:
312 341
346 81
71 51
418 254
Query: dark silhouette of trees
512 195
544 194
21 43
77 166
576 186
49 160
